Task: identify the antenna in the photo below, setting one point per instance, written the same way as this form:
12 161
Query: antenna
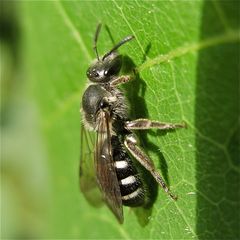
96 38
126 39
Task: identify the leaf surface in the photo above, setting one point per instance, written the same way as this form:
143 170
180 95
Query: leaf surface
186 58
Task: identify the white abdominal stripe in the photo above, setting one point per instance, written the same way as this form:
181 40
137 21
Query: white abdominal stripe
121 164
132 195
128 180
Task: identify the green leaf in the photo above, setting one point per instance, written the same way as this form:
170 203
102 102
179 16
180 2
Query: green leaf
186 54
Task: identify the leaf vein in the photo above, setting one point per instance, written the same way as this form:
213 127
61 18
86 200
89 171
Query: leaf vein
221 16
233 36
185 220
76 34
125 19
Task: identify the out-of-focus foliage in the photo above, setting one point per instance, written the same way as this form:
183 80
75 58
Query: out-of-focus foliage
24 171
186 54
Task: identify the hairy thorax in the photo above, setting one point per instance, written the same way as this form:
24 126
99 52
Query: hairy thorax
91 105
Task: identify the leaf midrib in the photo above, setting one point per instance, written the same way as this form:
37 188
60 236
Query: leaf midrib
228 37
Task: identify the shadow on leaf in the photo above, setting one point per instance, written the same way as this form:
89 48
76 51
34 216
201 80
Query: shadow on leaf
135 93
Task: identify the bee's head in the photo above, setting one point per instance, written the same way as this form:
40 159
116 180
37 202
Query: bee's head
107 66
103 69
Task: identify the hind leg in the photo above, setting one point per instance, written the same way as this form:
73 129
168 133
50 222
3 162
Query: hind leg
130 143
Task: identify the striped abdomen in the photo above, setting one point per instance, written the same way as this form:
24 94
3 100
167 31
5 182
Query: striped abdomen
129 181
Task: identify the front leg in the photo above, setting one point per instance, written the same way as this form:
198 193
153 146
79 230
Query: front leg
142 124
120 80
131 144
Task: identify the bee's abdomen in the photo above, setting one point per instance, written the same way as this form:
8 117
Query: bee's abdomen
132 191
130 183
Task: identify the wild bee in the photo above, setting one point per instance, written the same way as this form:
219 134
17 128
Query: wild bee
105 112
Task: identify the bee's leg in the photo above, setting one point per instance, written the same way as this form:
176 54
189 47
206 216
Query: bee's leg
120 80
142 124
130 143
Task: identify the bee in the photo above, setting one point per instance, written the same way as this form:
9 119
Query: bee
105 113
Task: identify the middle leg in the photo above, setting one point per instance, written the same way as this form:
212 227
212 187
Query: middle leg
142 124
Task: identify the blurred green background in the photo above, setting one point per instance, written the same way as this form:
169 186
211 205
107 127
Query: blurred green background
187 57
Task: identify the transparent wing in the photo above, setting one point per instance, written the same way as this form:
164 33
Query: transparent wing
106 174
87 171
